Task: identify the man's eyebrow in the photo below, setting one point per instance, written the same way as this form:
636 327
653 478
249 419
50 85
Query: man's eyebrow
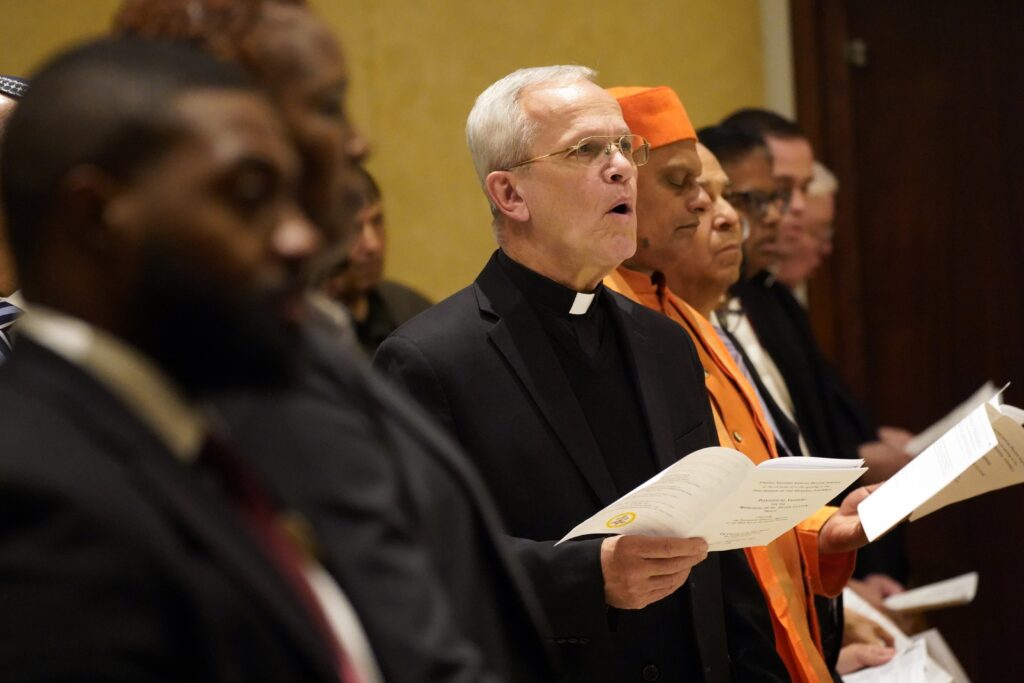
255 163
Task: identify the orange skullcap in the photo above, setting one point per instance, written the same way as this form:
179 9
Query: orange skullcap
655 113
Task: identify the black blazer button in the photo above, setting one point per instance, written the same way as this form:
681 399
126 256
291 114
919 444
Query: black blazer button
651 673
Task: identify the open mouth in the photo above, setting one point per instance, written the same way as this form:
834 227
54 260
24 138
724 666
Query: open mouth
622 209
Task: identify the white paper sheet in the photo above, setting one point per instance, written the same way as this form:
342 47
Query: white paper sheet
959 590
717 494
928 474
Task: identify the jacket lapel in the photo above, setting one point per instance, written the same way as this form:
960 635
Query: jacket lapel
644 371
174 488
518 336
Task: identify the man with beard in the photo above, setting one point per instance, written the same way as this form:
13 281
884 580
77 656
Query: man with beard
148 192
404 523
568 396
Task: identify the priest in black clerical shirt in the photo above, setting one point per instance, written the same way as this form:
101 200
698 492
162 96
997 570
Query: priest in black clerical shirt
566 395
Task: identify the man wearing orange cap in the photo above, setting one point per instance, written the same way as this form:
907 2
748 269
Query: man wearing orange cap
689 237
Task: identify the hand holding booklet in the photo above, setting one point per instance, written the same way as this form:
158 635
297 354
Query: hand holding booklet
983 452
719 495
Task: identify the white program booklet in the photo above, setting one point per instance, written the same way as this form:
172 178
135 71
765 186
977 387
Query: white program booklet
981 453
940 652
719 495
959 590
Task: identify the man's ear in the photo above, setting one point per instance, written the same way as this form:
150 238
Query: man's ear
503 189
90 207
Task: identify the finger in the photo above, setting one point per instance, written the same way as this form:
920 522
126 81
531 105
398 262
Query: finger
671 565
661 594
652 547
668 582
883 637
874 655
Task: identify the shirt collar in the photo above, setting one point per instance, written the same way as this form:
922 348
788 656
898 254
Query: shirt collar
15 298
547 292
125 372
643 283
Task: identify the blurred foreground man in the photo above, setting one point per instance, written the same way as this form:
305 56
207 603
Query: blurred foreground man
567 395
402 520
149 206
688 256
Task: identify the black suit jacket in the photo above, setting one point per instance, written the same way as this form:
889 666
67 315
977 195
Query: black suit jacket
482 365
832 421
117 561
405 524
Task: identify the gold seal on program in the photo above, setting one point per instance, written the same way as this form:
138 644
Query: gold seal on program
621 520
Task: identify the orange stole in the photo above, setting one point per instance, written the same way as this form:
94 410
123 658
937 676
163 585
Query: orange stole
789 570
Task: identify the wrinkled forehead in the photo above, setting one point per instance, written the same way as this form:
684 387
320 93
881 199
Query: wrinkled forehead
572 110
792 158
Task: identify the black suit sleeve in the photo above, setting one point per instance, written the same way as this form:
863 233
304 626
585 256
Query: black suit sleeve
348 489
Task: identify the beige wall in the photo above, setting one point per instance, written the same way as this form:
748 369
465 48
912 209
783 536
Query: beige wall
417 67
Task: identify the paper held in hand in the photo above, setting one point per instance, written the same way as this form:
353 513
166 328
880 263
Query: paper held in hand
930 435
983 452
959 590
719 495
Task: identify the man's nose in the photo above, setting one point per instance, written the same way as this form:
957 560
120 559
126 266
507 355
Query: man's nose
295 238
701 202
797 202
619 167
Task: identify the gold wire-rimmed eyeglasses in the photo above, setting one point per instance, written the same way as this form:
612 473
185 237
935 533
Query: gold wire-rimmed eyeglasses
589 149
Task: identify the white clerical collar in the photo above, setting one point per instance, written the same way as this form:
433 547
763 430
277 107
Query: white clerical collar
125 372
581 304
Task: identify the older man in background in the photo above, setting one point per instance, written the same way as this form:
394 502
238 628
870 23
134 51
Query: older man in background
689 254
567 395
812 244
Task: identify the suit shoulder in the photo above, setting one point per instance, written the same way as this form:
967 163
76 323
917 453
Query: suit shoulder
444 322
657 326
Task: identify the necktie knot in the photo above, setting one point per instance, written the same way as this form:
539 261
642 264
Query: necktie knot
8 315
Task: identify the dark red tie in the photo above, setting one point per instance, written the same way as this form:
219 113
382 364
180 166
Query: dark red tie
255 507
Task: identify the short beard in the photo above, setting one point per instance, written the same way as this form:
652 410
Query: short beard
206 340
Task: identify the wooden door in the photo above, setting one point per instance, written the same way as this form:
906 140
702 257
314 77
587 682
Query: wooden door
919 108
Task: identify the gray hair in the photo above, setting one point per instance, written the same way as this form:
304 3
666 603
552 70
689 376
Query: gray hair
498 132
822 182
